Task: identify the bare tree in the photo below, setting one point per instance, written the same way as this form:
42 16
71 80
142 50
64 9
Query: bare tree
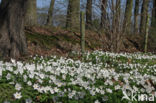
89 14
50 13
103 13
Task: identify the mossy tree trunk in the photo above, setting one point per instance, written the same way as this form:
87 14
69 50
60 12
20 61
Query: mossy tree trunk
136 16
103 13
144 12
12 38
73 15
89 14
50 13
128 14
31 13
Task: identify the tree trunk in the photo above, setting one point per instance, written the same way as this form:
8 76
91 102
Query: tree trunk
50 13
118 25
128 15
12 38
153 24
147 33
82 31
144 12
89 14
103 13
136 15
114 26
68 18
31 13
73 15
116 33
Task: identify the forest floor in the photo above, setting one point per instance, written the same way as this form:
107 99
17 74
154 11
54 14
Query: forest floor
56 72
55 41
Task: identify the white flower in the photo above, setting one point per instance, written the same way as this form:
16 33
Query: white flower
18 86
16 72
56 89
36 86
70 95
109 90
97 90
31 75
92 92
97 101
42 76
40 89
13 61
64 77
25 78
52 91
20 71
46 89
127 87
73 92
17 95
59 84
102 92
8 76
63 71
110 83
29 83
117 87
0 72
40 81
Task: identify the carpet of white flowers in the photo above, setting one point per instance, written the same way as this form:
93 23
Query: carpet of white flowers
100 78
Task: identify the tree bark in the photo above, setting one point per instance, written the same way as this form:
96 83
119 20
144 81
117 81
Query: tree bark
103 13
31 13
12 38
147 33
50 13
73 15
68 18
144 12
153 24
82 31
128 15
136 15
89 14
118 26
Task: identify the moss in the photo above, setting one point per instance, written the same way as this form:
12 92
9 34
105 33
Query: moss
42 40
